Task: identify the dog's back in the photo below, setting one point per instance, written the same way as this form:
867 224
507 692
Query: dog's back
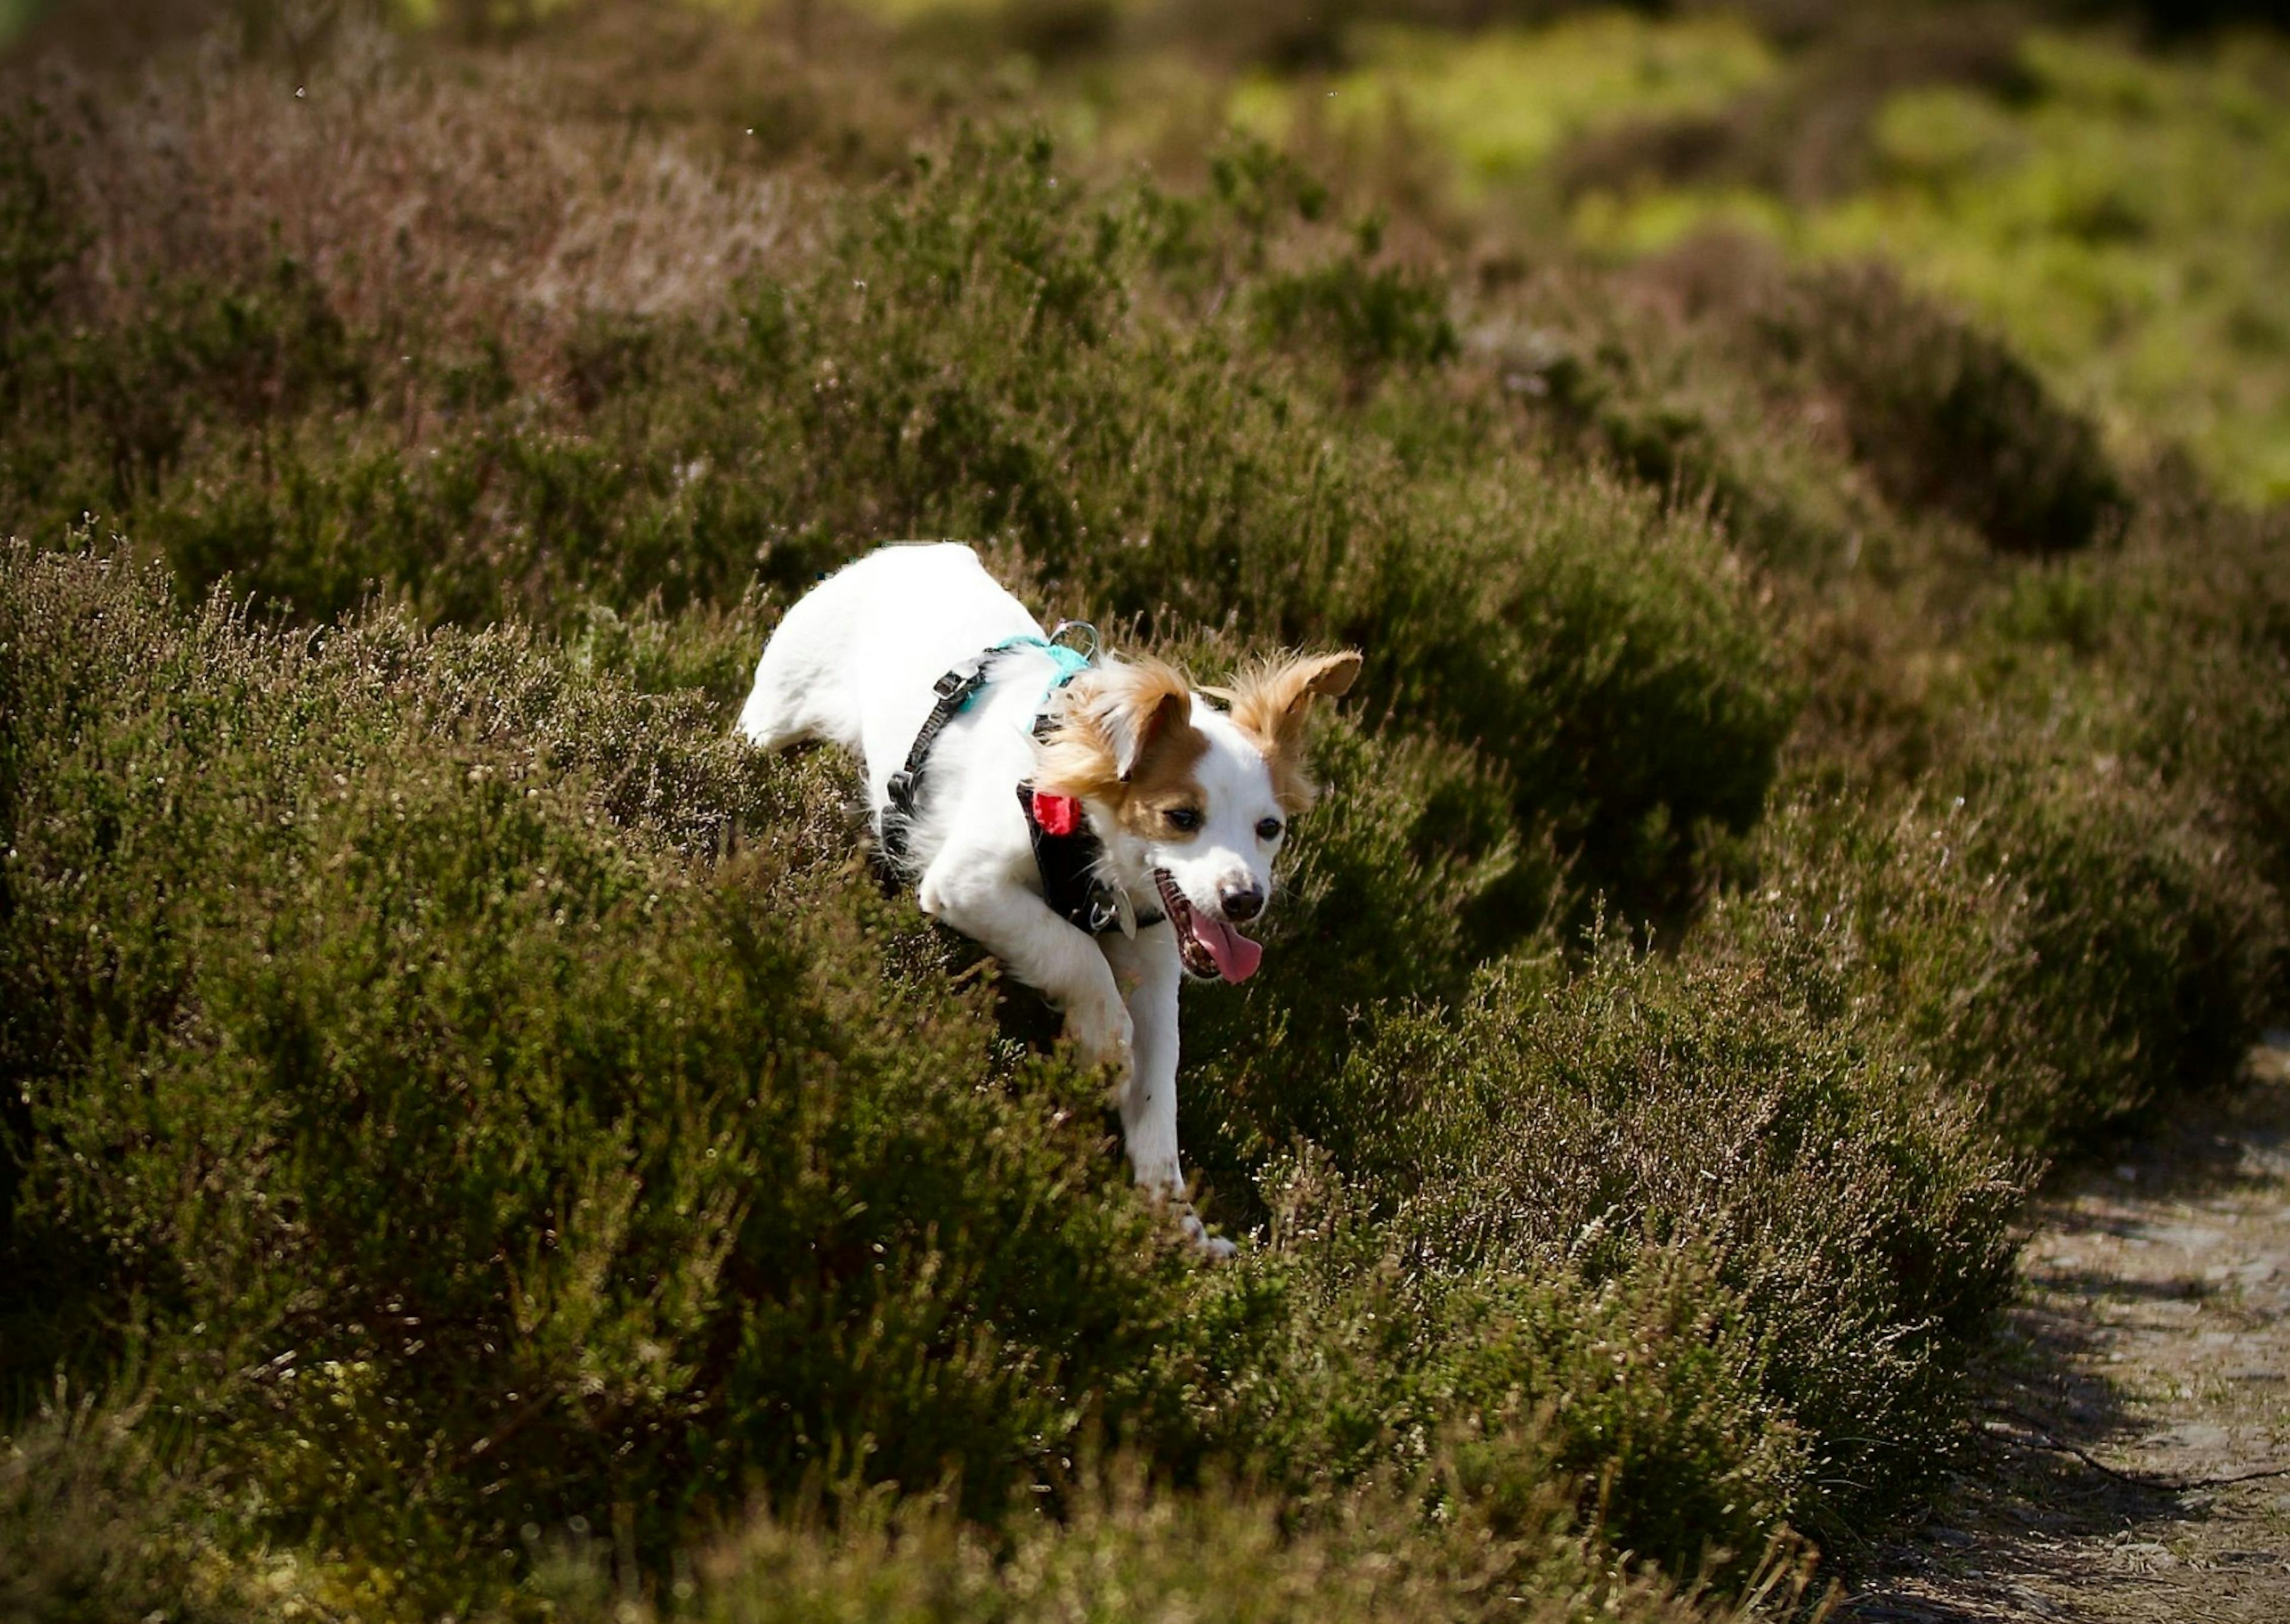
854 661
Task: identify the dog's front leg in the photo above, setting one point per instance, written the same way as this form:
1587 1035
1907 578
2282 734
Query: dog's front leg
1040 948
1149 973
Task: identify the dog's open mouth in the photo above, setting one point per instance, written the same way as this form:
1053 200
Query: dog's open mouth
1210 946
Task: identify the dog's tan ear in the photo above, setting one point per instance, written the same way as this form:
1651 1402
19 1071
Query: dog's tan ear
1111 719
1142 714
1271 704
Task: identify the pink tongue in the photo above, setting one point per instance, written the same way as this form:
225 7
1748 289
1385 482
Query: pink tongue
1237 957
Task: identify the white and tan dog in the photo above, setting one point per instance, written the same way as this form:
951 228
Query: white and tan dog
1190 804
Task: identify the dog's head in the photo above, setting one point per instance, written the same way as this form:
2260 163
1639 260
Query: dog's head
1192 802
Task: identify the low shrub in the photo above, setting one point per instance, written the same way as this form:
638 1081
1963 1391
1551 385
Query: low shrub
1129 1553
1365 318
1899 395
1631 1403
93 1526
2186 644
39 239
2223 721
1856 1219
2064 944
484 1094
980 354
1945 415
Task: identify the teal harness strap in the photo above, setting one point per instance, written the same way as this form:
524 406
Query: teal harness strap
1071 662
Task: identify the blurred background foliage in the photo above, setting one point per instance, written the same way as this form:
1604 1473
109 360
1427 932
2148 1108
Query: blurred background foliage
2104 183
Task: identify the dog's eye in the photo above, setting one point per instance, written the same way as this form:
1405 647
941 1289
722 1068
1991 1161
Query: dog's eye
1269 828
1184 819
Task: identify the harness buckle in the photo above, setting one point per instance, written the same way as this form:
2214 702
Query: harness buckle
902 791
952 684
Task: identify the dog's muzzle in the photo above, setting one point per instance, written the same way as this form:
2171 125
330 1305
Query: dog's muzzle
1211 949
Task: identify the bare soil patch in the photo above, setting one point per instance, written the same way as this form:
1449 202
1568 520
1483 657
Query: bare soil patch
2135 1458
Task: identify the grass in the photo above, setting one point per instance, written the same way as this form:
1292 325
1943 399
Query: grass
476 1141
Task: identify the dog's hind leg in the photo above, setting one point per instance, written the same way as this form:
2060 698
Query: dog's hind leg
802 689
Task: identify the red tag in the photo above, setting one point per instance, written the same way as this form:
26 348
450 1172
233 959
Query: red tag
1058 814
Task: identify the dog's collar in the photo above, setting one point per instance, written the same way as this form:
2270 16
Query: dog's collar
1070 858
1071 662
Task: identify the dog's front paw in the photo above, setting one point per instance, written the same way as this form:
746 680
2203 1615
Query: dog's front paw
1213 1246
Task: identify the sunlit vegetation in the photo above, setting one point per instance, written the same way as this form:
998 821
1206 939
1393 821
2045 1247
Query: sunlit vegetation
2122 217
1502 104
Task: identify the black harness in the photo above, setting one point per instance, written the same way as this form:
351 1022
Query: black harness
1072 883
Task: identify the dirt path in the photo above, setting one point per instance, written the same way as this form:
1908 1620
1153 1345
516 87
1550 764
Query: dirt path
2152 1340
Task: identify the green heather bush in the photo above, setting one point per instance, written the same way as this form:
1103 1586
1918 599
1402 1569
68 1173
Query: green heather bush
1597 376
1946 416
2175 658
1126 1553
1908 399
2065 946
100 1531
1365 319
2223 721
1830 411
485 1095
36 242
93 1528
984 354
465 1149
1646 1385
1856 1220
2127 711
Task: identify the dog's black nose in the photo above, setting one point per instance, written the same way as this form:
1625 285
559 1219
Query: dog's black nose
1240 902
